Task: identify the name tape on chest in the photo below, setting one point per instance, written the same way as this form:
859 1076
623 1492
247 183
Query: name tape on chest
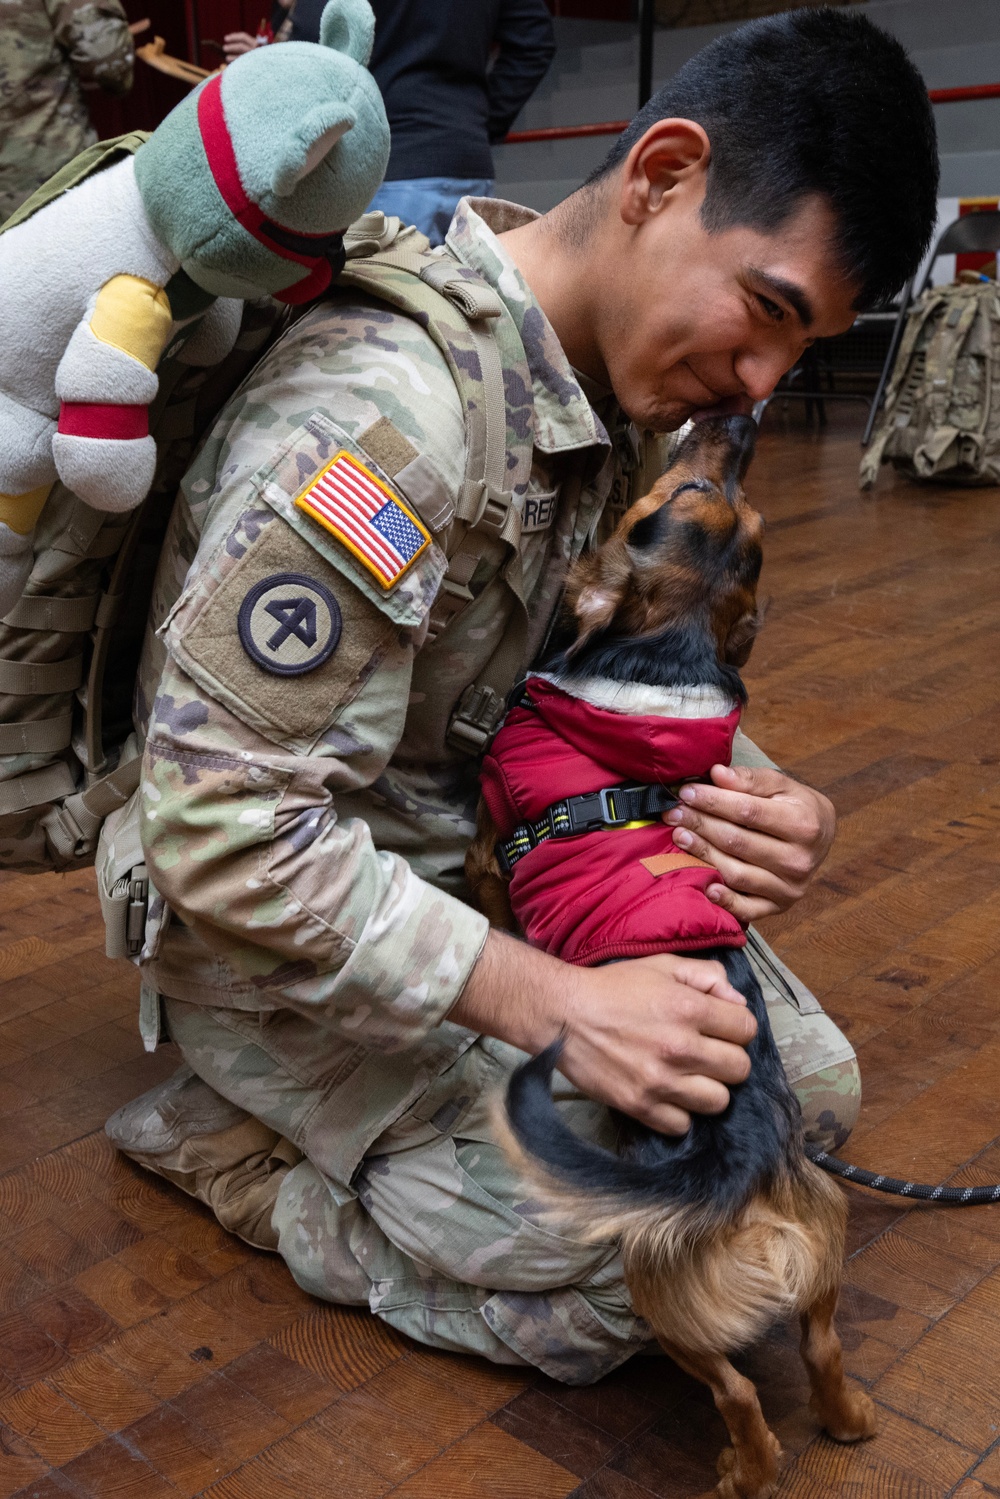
289 624
539 511
366 517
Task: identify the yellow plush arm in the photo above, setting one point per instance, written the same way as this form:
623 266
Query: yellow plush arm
20 511
133 315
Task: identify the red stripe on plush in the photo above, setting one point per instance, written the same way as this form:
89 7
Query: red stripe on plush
221 157
303 291
83 419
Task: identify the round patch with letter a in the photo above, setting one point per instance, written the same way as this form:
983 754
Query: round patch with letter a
289 624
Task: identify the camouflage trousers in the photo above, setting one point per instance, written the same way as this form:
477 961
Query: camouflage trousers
434 1232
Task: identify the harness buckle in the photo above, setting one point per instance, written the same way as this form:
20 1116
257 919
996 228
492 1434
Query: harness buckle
599 809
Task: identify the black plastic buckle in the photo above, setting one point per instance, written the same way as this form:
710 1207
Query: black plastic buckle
596 810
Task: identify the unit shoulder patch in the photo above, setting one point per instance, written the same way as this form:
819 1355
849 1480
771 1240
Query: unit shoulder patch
351 502
278 611
289 624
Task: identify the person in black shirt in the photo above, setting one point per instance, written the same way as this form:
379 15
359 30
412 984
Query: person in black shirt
445 102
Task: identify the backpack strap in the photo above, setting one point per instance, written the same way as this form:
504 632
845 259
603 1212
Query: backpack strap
479 340
96 157
946 344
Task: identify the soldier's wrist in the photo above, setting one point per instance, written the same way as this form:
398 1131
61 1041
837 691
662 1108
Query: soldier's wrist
517 994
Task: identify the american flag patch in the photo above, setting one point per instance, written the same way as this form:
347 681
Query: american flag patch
366 517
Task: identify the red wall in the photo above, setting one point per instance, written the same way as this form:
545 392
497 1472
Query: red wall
153 94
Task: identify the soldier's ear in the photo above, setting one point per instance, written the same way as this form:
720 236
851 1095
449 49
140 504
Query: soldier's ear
312 139
348 26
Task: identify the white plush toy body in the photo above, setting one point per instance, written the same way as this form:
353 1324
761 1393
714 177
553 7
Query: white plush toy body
245 189
105 325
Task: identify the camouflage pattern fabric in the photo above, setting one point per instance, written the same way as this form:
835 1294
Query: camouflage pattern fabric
434 1232
50 52
309 837
941 418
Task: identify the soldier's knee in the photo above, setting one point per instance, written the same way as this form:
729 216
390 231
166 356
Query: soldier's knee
314 1238
830 1100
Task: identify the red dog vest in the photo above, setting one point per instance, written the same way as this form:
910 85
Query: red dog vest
617 892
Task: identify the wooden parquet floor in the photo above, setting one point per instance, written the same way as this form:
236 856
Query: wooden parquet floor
144 1353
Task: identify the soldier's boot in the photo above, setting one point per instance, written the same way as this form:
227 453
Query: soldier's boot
189 1134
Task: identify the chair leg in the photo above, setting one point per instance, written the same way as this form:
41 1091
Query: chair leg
883 379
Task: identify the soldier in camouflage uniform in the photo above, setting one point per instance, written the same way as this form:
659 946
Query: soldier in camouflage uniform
50 52
346 1020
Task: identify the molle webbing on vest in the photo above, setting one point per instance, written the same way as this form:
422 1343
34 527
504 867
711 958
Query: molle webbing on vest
481 345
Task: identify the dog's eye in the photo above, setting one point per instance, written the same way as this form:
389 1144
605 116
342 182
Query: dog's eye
702 485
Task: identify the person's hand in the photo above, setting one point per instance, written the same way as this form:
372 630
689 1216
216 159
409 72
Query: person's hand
236 43
766 835
656 1037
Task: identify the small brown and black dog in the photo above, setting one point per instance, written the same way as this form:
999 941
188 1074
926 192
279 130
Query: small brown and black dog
730 1227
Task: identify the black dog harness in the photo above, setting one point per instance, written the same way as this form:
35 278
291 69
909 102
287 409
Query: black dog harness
609 807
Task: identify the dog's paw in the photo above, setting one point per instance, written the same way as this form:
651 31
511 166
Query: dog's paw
853 1420
748 1474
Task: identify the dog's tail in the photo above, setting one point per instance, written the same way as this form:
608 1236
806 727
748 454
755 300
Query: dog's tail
713 1253
547 1150
714 1168
720 1289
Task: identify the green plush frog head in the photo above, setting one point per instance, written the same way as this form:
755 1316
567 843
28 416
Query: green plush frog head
251 180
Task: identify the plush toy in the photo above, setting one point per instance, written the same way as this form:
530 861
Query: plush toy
245 188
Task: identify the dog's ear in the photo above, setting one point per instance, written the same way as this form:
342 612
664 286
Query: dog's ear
595 608
742 634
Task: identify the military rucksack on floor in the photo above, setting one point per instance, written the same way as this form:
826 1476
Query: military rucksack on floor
69 651
941 418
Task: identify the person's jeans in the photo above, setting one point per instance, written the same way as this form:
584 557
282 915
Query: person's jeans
429 202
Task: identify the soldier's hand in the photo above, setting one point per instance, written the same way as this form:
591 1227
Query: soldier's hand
766 835
659 1038
656 1037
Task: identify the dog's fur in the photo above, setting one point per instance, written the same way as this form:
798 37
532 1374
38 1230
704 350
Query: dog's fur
731 1226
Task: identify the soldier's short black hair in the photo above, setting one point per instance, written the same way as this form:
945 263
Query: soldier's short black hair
805 103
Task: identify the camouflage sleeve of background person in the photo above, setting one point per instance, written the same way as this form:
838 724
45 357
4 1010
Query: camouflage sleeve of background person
244 764
95 37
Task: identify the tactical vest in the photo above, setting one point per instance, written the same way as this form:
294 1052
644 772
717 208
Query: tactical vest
69 753
941 418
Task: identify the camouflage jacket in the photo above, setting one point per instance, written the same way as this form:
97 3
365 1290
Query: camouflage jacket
50 51
308 829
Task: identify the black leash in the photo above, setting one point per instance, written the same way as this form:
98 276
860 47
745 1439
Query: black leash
894 1185
956 1196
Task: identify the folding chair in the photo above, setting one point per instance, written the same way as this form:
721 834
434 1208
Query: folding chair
975 234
